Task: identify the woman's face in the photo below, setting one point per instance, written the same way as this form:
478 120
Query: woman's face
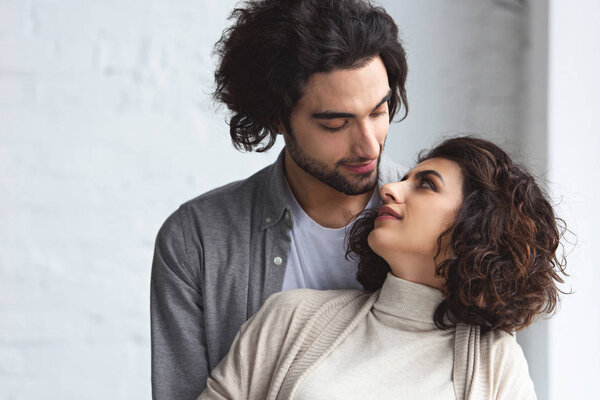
417 210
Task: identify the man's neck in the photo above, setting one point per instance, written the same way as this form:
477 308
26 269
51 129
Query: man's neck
325 205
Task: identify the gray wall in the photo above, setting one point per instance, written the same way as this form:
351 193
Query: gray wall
466 61
108 127
534 143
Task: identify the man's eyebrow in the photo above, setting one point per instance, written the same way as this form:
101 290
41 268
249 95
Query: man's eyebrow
423 173
335 114
385 99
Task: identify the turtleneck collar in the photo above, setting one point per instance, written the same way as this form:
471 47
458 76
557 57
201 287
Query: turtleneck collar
408 300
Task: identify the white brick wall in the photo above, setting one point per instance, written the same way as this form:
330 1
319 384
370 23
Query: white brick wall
106 126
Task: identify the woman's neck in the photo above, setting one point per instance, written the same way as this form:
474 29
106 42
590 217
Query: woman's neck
418 270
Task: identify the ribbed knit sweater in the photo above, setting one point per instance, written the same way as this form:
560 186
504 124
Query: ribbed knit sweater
397 351
296 331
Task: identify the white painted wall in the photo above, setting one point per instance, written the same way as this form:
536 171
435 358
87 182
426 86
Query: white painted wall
574 170
107 126
561 137
466 61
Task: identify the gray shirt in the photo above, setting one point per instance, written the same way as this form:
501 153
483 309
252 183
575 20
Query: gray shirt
217 259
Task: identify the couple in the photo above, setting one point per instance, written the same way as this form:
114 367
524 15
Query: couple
462 252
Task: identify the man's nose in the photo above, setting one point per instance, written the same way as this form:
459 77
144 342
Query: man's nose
366 144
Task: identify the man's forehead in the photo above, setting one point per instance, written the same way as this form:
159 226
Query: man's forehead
354 88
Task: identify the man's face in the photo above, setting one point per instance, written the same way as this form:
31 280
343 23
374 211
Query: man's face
339 126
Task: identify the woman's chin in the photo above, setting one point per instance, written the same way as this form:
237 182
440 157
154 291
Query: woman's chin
381 245
374 241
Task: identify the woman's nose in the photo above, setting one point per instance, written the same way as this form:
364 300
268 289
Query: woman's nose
392 193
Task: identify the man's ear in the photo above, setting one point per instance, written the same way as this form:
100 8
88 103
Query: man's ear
280 128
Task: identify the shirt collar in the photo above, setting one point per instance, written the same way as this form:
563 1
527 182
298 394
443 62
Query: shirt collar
275 203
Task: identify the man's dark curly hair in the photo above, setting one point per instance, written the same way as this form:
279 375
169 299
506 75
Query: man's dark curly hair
267 55
504 269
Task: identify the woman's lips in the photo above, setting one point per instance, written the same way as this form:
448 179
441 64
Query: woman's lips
382 217
361 168
387 212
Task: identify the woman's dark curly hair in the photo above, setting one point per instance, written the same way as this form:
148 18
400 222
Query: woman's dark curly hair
267 55
504 268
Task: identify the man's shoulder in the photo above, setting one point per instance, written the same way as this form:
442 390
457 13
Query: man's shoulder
233 191
228 202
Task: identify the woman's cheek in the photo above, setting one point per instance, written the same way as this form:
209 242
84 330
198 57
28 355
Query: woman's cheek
383 240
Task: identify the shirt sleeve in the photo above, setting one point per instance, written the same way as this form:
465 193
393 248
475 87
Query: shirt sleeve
179 356
228 380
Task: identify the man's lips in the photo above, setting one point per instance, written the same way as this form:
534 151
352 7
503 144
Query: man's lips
386 212
361 168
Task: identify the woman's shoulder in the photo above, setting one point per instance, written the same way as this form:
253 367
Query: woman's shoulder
492 365
496 343
508 369
315 299
296 310
503 345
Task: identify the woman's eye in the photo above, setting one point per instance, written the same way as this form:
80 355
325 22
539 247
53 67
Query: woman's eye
378 114
427 183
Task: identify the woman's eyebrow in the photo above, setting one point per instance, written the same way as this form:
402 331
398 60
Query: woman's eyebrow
420 174
423 173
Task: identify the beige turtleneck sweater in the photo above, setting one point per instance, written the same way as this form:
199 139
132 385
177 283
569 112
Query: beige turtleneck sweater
278 353
396 352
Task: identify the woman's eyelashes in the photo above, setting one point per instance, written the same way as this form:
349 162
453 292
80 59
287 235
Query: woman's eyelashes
423 182
427 183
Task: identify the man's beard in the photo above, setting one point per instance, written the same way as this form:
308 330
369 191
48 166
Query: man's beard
359 184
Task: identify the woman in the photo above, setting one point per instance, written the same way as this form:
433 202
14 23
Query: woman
461 255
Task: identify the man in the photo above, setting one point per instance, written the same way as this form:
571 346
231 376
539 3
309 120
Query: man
328 76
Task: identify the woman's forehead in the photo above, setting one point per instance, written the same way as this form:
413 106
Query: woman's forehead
444 167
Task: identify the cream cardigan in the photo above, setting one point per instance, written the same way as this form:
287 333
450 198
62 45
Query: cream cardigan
294 331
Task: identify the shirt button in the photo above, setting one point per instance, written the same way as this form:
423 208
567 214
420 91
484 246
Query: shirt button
277 261
268 220
287 215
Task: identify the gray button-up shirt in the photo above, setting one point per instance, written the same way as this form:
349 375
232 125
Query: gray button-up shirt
217 259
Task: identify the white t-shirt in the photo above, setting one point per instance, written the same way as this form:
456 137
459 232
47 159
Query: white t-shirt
317 254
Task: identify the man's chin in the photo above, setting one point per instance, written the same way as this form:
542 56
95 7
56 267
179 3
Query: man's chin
354 186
